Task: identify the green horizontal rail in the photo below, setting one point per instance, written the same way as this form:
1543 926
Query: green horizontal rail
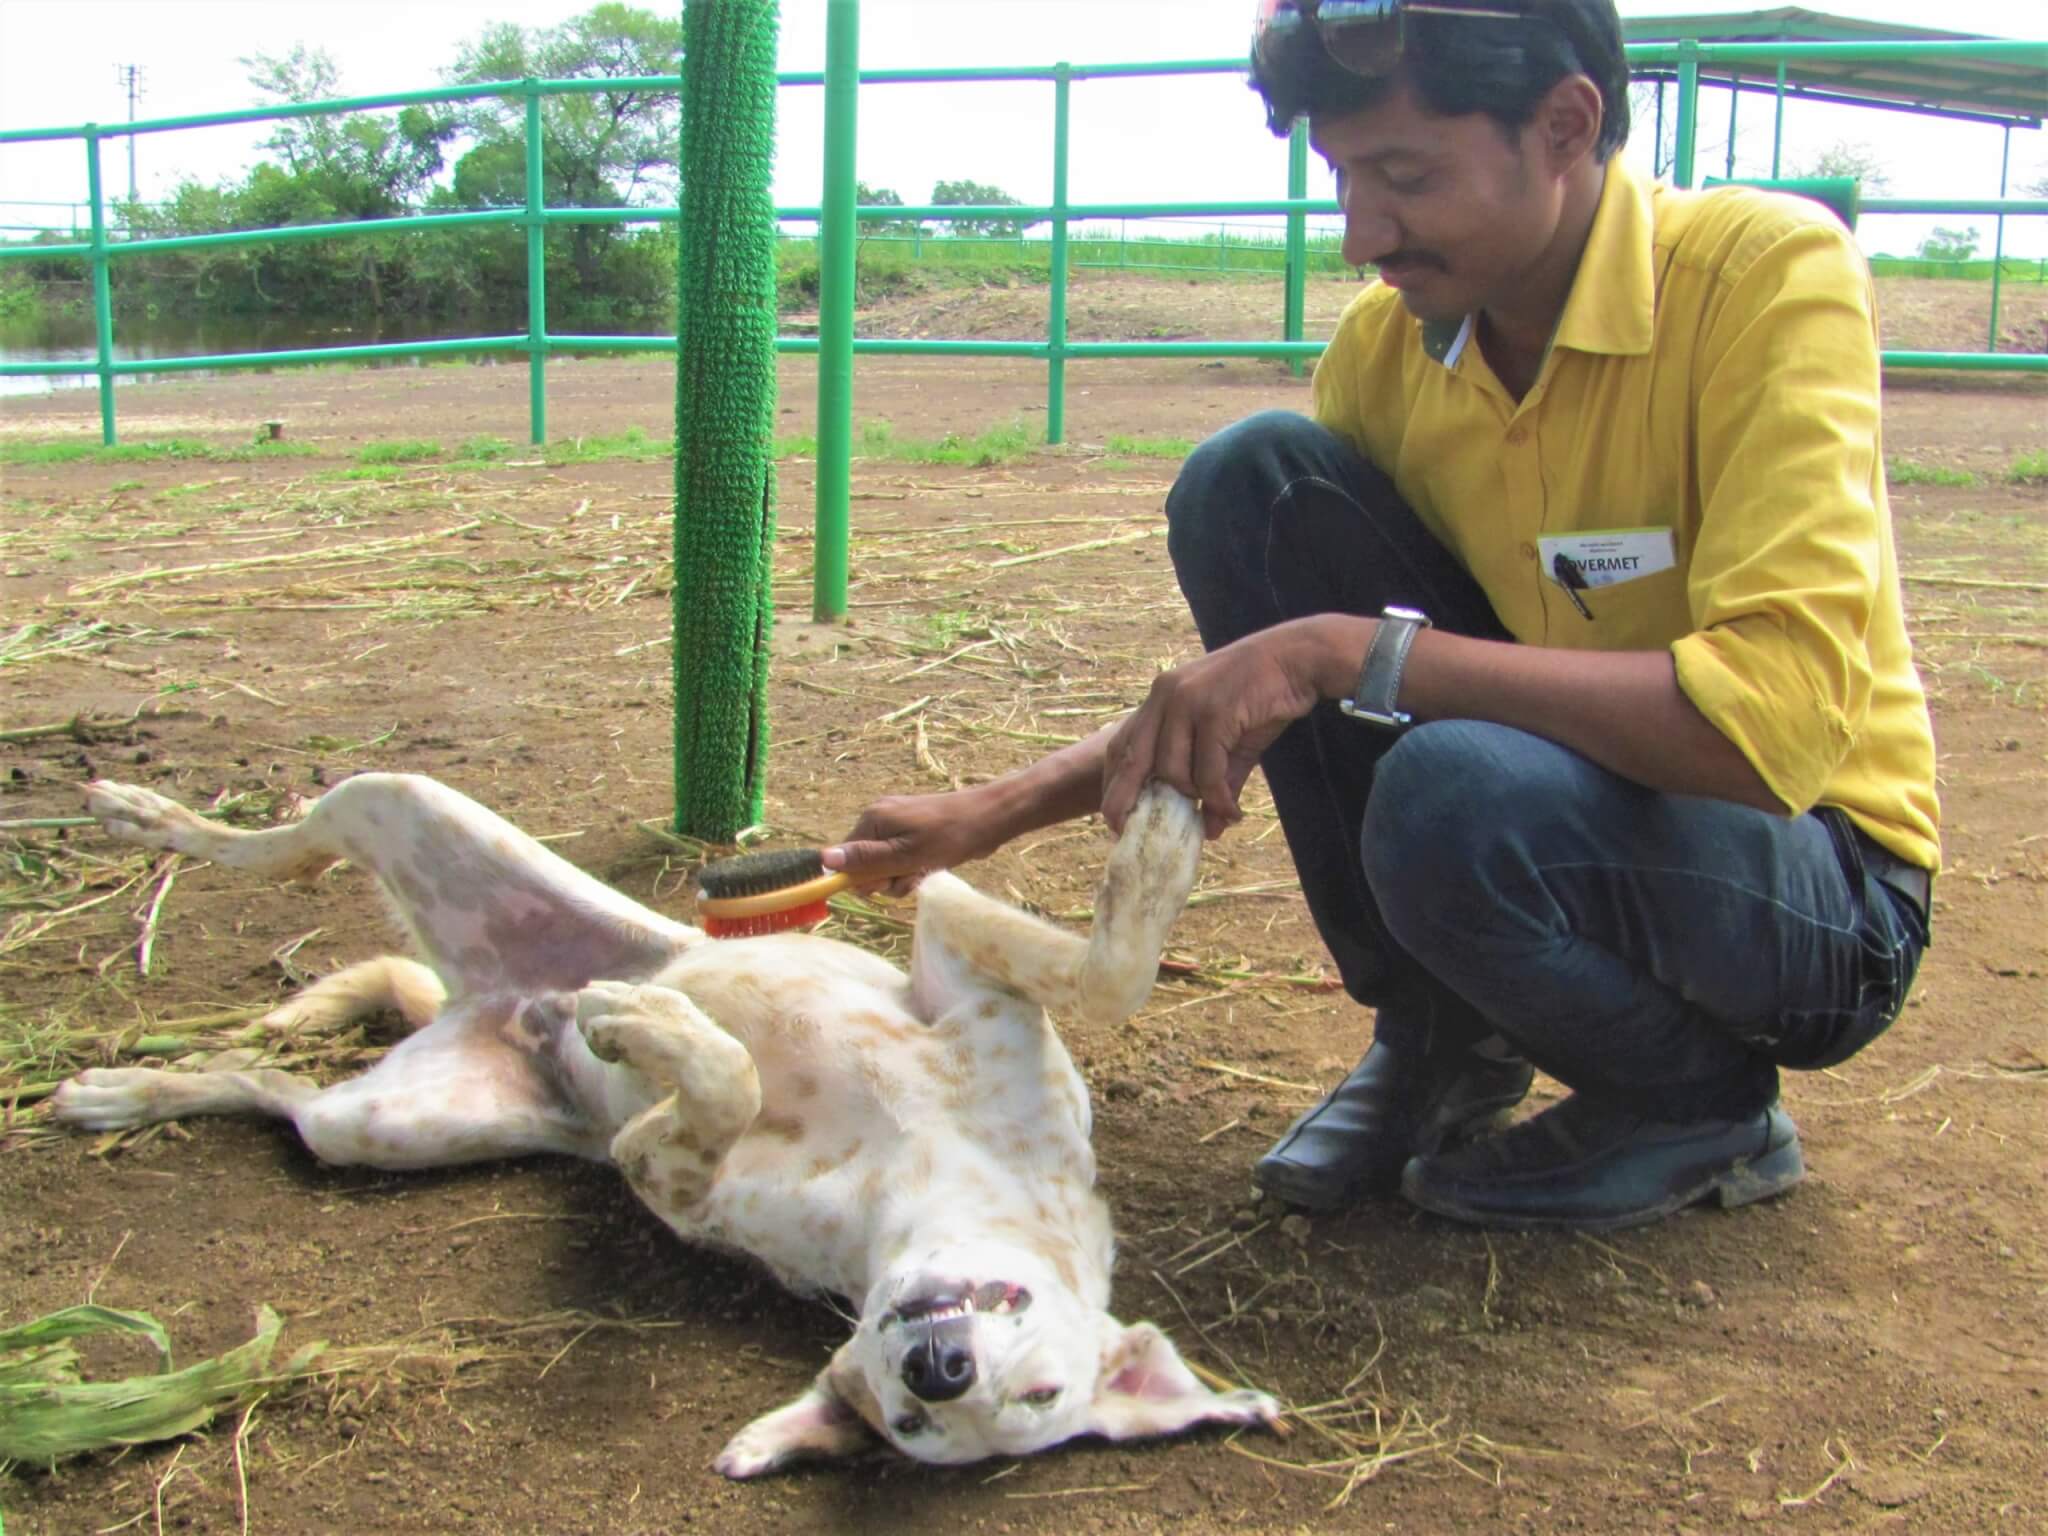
874 345
297 356
279 234
1981 206
1980 51
1970 362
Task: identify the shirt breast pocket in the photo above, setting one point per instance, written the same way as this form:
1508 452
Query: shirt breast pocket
1642 613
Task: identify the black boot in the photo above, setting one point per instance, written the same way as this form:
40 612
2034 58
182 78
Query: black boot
1599 1166
1394 1105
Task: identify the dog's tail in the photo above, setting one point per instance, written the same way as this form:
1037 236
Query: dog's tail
386 984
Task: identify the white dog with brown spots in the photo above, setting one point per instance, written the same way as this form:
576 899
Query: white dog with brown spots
917 1144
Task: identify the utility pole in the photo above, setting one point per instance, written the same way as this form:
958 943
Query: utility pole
130 75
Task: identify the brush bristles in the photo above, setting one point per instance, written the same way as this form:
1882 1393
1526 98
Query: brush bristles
757 874
808 915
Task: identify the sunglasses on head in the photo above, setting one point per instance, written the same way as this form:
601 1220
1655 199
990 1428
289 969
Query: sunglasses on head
1367 37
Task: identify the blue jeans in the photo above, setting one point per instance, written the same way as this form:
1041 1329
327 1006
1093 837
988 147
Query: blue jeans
1661 951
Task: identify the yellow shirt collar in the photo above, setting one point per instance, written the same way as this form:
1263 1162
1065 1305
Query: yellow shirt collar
1612 307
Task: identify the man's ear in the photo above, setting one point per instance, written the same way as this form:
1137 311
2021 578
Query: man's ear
1145 1388
1568 121
832 1419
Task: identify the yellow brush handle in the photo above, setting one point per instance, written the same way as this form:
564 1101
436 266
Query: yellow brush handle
774 901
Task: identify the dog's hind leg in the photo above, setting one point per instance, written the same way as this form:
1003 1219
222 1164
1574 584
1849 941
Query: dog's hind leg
387 984
122 1098
487 905
706 1089
479 1083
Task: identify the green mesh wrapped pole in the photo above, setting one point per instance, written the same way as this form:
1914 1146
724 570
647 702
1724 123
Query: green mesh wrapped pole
725 416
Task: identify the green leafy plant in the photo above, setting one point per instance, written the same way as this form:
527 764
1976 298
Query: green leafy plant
404 450
48 1411
1910 472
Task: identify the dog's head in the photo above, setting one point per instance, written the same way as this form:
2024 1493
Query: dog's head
953 1363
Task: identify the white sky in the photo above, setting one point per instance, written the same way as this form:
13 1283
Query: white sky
1133 141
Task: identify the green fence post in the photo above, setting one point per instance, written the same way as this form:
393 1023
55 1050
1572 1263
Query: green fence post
102 287
536 272
1998 242
836 274
1688 113
1296 306
1056 317
722 603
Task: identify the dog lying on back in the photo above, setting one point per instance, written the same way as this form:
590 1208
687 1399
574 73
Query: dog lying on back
917 1144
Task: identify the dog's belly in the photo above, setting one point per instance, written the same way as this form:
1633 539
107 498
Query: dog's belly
814 1232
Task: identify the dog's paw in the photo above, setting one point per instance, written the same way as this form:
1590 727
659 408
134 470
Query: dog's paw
1249 1407
621 1021
750 1453
107 1099
606 1014
136 815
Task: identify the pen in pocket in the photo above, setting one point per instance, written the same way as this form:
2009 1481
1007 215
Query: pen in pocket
1568 575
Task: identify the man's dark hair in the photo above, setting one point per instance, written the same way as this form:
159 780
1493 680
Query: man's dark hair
1459 65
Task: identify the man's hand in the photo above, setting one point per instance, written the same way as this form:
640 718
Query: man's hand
902 837
1206 723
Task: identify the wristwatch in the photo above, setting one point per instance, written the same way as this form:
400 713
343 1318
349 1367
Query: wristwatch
1377 697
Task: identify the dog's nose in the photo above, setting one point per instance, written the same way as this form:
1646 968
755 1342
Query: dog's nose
940 1364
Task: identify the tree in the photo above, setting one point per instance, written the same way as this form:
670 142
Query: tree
350 165
866 196
1643 121
1950 244
973 193
614 146
338 166
1853 159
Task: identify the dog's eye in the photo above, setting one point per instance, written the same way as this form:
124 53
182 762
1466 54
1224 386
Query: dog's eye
1044 1397
911 1424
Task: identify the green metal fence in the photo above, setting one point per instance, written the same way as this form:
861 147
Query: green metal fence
101 252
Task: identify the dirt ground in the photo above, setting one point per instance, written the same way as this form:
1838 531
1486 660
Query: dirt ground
1864 1354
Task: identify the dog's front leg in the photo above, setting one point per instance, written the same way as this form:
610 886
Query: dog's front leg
1144 886
965 939
707 1091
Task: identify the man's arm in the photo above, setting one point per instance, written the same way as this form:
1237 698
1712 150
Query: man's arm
1205 724
903 836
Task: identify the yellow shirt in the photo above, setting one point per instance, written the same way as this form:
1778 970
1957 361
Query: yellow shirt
1714 374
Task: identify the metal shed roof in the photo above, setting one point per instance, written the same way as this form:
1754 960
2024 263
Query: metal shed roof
1979 89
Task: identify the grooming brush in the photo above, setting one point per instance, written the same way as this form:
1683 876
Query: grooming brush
759 893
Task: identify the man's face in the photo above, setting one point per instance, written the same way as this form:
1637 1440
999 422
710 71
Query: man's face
1452 211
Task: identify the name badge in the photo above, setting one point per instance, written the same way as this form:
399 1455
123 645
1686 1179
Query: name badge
1608 557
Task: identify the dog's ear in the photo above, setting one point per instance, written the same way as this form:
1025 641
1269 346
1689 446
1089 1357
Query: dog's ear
1145 1388
834 1418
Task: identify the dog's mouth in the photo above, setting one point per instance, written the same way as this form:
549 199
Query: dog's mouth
997 1298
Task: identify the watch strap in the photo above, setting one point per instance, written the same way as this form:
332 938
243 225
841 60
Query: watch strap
1378 694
